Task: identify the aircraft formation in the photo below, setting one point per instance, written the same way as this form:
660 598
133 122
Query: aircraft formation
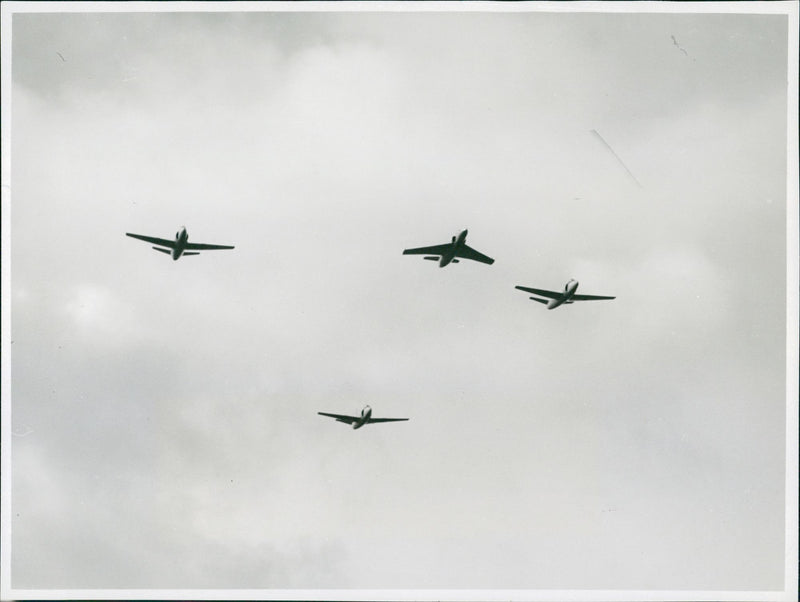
457 247
445 254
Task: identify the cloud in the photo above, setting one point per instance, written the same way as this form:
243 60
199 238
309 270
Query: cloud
173 404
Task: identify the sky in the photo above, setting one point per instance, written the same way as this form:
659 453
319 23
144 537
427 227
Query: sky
165 432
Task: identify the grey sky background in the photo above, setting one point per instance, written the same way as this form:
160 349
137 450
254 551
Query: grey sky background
166 411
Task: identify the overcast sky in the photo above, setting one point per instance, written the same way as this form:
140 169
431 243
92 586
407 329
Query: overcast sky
165 412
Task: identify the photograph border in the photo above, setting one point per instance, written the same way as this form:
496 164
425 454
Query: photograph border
789 9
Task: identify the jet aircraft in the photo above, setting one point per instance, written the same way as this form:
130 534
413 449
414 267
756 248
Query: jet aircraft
359 421
179 246
448 252
560 298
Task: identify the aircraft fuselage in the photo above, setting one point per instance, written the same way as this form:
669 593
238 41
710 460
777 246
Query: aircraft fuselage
181 238
450 254
569 291
365 415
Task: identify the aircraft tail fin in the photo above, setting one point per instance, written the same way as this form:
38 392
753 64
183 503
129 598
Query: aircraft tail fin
545 301
167 251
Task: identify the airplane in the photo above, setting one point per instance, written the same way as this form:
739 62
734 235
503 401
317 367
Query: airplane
559 298
448 252
359 421
178 247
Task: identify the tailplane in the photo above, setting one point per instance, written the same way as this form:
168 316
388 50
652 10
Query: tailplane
167 251
190 253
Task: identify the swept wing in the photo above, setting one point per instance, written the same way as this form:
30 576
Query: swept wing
543 293
196 246
434 250
588 297
341 418
151 239
469 253
556 295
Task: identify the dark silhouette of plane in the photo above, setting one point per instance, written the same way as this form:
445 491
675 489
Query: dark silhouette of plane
179 246
448 252
359 421
560 298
